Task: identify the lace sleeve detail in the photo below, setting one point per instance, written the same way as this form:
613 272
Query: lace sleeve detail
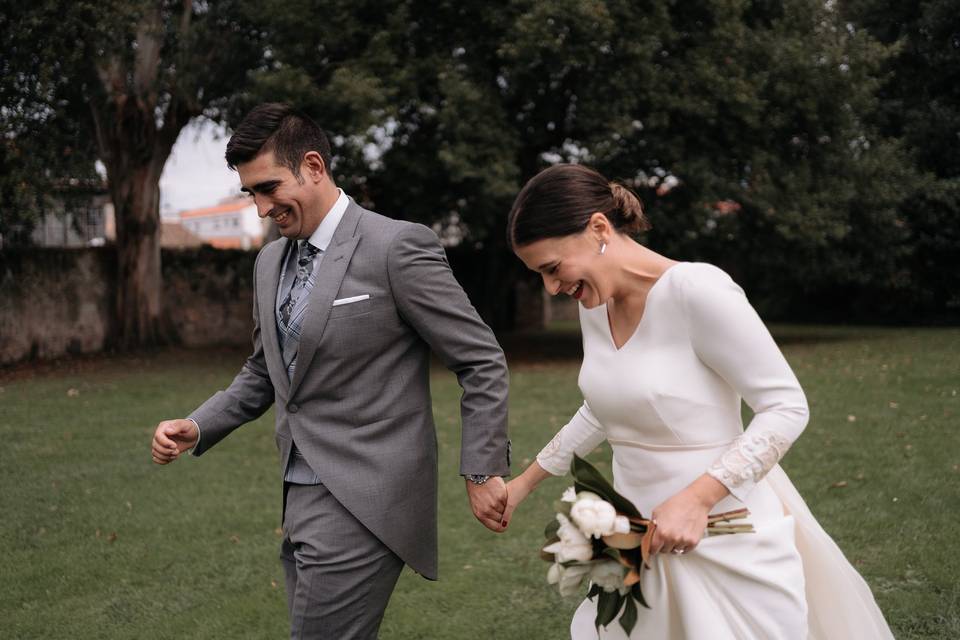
581 435
748 460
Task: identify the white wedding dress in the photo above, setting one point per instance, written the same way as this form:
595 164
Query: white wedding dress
668 402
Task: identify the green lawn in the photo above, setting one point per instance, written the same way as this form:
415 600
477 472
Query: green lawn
97 542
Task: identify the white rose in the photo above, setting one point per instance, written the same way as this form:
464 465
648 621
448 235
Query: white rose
570 495
568 578
595 517
608 576
621 525
573 545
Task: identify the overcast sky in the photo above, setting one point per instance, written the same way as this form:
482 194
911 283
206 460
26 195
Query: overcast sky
196 175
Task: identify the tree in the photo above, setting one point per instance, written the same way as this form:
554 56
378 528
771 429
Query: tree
759 111
127 75
920 104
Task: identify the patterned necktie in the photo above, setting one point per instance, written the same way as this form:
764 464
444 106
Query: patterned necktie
306 254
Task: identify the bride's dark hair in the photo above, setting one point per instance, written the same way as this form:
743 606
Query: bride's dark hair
560 200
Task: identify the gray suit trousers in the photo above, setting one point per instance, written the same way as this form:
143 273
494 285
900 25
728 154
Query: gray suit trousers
339 576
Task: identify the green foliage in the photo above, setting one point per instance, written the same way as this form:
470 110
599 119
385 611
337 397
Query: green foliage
770 107
813 143
920 105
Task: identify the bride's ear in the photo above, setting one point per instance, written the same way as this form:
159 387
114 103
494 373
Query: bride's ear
600 228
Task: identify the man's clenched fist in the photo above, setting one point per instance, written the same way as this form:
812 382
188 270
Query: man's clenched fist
172 438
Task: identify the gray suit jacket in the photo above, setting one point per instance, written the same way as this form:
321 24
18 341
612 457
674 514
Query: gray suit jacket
359 404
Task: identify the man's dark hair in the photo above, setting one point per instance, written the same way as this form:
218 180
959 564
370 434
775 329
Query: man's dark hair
277 127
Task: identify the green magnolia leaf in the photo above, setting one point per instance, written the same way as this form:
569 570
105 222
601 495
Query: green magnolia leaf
551 529
637 594
594 591
607 608
587 478
610 552
629 618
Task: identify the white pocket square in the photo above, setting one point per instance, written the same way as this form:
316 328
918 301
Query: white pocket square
341 301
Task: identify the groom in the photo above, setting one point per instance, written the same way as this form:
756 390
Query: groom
347 307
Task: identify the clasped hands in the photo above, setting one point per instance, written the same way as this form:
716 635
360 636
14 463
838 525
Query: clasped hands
489 502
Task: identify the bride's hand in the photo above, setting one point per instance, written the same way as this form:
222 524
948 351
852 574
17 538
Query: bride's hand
517 491
682 519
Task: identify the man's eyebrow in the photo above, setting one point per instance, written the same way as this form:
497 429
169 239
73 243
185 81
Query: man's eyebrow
260 187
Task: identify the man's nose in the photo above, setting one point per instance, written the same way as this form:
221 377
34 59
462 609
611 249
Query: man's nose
264 206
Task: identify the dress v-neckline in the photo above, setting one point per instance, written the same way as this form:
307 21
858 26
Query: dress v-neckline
646 308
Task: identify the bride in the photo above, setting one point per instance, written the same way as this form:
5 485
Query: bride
670 348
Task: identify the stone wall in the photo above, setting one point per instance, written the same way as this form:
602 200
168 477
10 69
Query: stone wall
55 302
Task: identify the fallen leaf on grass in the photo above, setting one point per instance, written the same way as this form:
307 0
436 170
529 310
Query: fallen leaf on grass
73 393
278 532
273 583
112 537
894 405
840 484
235 539
851 418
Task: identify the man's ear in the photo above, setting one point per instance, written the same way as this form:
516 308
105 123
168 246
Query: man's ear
313 167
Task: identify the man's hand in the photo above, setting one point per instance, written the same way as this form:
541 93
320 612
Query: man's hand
172 438
488 501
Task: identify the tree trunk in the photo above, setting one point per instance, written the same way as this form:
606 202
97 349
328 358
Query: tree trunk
136 201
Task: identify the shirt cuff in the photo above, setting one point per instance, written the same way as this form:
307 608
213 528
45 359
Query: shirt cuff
197 443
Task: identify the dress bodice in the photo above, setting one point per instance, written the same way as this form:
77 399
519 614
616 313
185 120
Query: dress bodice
655 389
678 381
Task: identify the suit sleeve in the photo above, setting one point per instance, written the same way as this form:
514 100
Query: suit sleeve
430 300
247 398
730 338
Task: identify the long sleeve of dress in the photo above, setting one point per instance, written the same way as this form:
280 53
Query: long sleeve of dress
581 436
729 337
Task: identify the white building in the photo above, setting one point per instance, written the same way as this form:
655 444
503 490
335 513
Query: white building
232 224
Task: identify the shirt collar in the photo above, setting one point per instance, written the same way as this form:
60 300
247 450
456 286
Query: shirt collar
323 234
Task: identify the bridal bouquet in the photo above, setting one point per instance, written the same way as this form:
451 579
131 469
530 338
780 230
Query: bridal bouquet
600 537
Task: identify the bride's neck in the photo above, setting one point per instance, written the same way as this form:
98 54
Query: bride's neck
638 271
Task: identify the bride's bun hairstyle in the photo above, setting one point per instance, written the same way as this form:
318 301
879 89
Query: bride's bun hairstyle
559 201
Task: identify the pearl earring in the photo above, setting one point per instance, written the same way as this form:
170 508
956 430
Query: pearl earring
603 248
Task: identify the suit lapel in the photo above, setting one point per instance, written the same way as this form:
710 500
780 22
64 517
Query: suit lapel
268 279
331 272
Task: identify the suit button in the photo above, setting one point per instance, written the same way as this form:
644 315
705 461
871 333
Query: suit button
293 408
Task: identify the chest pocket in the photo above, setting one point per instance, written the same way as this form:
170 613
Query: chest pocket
355 308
